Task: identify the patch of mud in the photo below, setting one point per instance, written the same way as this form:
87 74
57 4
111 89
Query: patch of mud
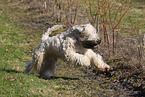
123 80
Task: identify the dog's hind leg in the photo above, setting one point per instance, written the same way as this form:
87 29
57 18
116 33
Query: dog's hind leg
28 68
48 66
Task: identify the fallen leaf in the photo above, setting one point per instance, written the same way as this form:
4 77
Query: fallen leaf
31 80
17 69
7 50
11 79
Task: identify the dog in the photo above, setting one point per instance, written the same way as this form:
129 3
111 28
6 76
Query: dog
74 46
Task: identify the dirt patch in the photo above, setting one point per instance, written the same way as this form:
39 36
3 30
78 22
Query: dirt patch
126 76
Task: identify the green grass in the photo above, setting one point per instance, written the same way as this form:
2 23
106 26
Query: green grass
137 16
13 44
16 46
12 56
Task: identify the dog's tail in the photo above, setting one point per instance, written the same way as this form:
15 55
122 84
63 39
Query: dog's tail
37 60
50 30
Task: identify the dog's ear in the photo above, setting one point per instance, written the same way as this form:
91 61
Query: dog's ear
80 29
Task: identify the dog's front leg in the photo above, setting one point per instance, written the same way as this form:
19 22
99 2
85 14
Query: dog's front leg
77 58
97 60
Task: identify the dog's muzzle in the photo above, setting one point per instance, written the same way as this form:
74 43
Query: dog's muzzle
91 44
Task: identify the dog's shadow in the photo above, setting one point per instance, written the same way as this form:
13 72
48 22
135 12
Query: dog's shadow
51 77
11 71
64 78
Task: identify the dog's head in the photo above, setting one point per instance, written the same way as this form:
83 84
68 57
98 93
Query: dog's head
86 35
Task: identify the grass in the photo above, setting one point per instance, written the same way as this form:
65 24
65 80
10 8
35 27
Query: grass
19 36
136 12
14 52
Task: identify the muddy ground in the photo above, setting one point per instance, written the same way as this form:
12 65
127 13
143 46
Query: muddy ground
125 78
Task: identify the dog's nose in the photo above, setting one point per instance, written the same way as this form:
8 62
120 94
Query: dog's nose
99 41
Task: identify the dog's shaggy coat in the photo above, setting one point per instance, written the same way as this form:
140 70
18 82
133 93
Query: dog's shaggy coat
74 46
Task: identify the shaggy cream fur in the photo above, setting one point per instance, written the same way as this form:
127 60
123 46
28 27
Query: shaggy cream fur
74 46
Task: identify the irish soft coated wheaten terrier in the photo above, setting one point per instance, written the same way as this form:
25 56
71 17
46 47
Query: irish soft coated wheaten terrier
74 46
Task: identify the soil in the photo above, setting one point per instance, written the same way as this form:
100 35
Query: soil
124 78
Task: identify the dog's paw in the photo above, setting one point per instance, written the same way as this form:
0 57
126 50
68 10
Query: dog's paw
106 67
45 76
